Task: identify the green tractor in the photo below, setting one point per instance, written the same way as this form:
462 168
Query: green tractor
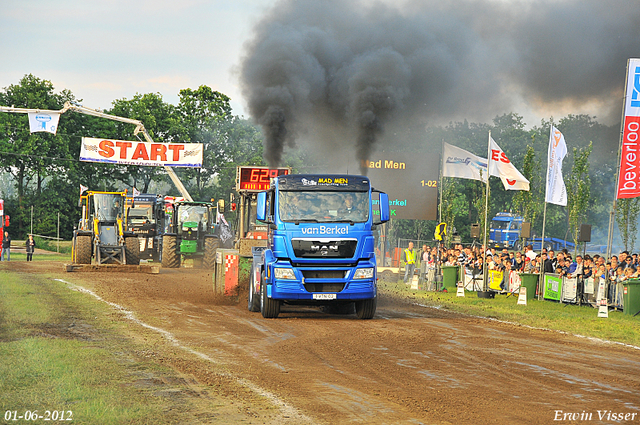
189 234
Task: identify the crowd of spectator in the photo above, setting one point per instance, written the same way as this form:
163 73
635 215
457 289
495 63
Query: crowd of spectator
474 259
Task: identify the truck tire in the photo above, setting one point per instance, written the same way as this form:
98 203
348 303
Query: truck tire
170 254
269 307
517 246
83 249
366 309
253 302
210 248
132 250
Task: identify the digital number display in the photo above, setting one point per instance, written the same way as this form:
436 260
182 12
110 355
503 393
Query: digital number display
257 179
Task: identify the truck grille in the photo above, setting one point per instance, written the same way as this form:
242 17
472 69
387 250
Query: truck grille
307 248
324 287
324 274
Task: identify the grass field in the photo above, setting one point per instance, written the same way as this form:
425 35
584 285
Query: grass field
64 352
573 319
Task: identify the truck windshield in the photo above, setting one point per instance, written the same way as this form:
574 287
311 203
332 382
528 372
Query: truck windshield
142 213
107 206
499 225
324 207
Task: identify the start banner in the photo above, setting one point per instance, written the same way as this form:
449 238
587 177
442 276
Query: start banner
141 153
629 172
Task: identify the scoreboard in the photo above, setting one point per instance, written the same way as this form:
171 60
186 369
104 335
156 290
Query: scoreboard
257 179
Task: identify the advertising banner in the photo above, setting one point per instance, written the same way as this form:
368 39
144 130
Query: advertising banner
570 290
495 278
141 153
462 164
556 189
43 121
501 166
629 172
552 287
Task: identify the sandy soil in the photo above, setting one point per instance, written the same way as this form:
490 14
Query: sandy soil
410 364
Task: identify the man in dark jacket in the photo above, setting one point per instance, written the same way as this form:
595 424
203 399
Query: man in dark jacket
6 247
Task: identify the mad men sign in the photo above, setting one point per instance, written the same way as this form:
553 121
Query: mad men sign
141 153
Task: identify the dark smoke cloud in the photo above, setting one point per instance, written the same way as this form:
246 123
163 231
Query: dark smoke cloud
330 73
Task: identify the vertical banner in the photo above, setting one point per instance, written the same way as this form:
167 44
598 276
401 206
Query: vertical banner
556 190
629 180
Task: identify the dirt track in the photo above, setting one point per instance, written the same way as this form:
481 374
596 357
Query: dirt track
410 364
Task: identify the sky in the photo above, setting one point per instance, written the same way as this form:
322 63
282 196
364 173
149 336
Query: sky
112 49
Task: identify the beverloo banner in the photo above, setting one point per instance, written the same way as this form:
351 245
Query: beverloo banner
141 153
629 172
43 121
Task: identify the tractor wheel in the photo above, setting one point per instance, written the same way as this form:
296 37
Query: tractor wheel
210 248
365 309
170 254
269 307
83 249
253 304
132 250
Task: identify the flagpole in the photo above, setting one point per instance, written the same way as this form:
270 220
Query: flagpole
615 191
544 221
440 185
486 215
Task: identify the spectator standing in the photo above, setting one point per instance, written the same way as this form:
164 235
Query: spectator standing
31 246
6 247
529 252
409 258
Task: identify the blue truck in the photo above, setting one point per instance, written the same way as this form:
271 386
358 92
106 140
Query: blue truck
320 244
505 231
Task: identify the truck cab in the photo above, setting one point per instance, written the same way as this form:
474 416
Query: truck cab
145 218
505 230
320 244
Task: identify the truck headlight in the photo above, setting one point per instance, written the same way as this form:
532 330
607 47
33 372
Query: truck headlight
185 229
282 273
363 273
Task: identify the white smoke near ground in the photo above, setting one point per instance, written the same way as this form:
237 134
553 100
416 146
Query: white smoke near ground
331 74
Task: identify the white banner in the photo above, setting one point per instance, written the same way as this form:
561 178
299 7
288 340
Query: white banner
556 190
43 121
141 153
500 166
459 163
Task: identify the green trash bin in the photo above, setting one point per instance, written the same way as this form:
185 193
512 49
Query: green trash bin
530 281
449 278
631 297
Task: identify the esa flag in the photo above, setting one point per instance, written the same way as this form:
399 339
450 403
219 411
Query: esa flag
459 163
43 121
556 190
500 166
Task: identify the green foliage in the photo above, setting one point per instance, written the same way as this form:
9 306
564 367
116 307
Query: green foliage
578 190
627 211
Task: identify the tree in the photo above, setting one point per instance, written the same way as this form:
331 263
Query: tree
578 191
627 212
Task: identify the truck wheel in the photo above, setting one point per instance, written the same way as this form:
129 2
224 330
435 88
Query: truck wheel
210 248
170 255
548 246
83 249
132 250
253 304
365 309
517 246
269 307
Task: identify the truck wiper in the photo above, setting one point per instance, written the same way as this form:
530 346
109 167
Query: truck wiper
305 220
345 220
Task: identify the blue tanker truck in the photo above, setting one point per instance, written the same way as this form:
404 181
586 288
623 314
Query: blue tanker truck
320 244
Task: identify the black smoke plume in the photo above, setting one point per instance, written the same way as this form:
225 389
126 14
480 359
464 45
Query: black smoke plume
329 73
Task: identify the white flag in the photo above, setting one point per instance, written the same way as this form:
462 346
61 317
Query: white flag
459 163
500 166
136 192
82 189
556 190
43 121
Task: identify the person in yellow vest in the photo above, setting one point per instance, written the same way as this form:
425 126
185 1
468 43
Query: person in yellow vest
409 258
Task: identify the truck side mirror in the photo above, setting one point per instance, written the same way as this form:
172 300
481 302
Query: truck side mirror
221 206
384 208
261 207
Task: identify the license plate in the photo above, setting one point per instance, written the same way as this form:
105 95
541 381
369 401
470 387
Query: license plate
324 296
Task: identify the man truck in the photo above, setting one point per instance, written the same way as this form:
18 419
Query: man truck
320 244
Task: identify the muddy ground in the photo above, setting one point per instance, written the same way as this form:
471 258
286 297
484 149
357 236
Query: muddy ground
410 364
